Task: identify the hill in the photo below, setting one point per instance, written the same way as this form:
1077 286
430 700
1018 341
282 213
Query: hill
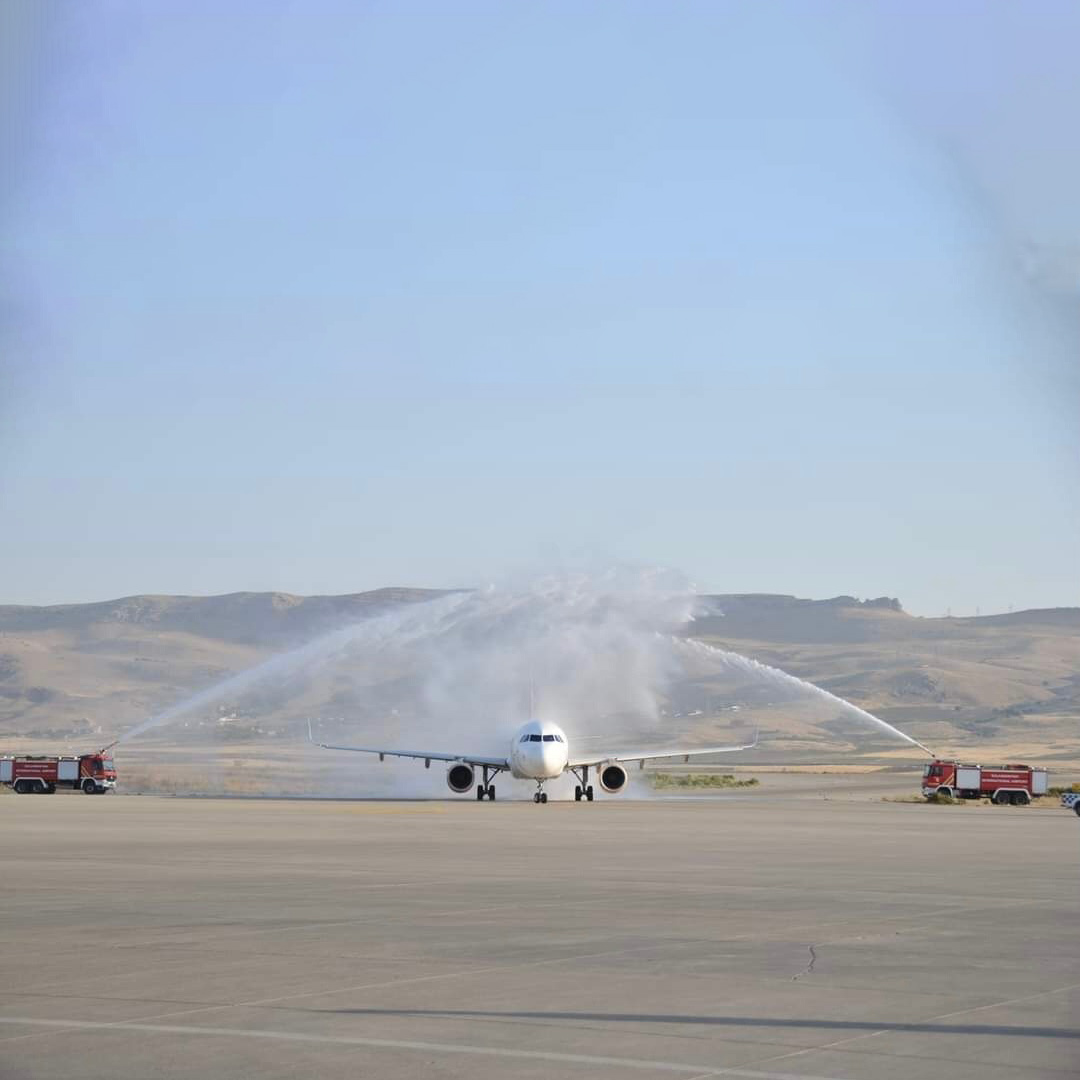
1003 681
75 668
1011 680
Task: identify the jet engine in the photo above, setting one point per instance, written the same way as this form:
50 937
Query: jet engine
460 777
612 777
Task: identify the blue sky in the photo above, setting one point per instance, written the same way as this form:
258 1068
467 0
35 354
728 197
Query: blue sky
322 297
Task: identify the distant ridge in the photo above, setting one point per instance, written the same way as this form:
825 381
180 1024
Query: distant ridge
106 665
251 617
782 600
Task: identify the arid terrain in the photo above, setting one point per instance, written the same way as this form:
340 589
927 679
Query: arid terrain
997 687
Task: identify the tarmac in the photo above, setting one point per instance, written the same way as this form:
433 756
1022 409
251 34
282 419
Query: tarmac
765 937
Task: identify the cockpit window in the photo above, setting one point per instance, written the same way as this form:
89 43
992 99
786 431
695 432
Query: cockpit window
534 738
549 738
524 738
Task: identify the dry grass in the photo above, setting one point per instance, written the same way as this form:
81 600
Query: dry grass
823 770
701 780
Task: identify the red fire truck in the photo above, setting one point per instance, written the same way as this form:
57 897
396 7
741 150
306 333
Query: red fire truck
1003 784
34 774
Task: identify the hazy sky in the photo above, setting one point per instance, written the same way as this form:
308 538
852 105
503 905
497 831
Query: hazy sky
320 297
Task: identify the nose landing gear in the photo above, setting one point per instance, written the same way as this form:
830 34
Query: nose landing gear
541 794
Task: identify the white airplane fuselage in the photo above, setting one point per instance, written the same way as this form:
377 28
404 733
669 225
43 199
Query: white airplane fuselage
539 751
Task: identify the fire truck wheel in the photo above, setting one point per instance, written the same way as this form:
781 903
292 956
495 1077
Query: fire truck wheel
20 787
1001 798
89 786
1020 798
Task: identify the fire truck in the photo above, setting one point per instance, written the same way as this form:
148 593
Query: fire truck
1014 785
34 774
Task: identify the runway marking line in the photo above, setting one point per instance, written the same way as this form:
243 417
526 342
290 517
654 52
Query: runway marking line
409 1044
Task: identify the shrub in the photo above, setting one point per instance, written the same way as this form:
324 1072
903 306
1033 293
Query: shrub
1073 789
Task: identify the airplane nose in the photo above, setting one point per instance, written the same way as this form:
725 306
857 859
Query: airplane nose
554 756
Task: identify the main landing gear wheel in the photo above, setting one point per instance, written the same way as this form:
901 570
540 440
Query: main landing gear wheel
588 793
487 792
481 791
578 793
491 792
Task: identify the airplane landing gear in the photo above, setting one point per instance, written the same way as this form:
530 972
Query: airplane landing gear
541 794
486 790
584 789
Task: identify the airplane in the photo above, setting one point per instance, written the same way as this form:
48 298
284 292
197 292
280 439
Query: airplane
540 751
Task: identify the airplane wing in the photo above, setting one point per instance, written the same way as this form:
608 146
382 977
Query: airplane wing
660 755
428 755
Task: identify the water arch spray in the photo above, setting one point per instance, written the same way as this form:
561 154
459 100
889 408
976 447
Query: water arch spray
600 651
729 659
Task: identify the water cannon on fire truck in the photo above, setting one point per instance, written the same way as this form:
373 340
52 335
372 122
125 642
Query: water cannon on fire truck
42 774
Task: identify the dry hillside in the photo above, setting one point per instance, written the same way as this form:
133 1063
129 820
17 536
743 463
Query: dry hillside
1004 680
75 668
1007 682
